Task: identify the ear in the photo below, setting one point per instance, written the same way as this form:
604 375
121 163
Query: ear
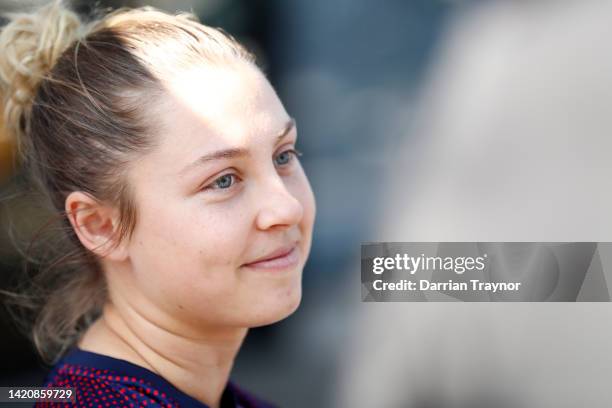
96 225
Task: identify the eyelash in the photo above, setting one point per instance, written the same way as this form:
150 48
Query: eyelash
293 152
213 186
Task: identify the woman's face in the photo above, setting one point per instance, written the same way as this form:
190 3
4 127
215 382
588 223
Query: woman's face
221 193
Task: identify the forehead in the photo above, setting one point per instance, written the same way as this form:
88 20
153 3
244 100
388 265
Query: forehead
219 104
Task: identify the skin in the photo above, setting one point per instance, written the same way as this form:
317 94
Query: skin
180 296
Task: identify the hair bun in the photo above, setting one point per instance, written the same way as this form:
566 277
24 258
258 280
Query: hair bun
30 44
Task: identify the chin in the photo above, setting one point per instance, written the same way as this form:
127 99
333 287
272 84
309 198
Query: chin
279 309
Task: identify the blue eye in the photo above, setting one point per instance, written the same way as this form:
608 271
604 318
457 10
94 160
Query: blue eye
285 157
224 182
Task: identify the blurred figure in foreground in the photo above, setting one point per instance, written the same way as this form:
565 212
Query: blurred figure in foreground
514 146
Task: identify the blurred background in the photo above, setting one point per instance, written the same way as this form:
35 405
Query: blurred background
420 120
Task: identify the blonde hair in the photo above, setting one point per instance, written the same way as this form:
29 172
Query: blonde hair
31 45
78 100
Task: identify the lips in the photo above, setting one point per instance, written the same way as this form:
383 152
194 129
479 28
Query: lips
282 257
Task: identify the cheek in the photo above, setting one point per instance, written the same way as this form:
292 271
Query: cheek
303 192
187 242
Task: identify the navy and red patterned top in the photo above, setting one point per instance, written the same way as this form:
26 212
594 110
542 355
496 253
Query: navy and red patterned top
103 381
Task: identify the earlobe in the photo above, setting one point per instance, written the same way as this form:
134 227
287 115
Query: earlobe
95 224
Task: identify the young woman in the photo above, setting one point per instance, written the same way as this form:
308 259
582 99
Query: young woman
173 164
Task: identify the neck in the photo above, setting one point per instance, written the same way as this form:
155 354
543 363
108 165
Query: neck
198 364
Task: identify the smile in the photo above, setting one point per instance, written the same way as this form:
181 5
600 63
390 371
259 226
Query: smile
287 259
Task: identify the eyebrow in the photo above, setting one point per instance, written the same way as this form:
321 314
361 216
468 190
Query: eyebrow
233 152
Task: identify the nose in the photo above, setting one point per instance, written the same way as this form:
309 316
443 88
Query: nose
278 207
